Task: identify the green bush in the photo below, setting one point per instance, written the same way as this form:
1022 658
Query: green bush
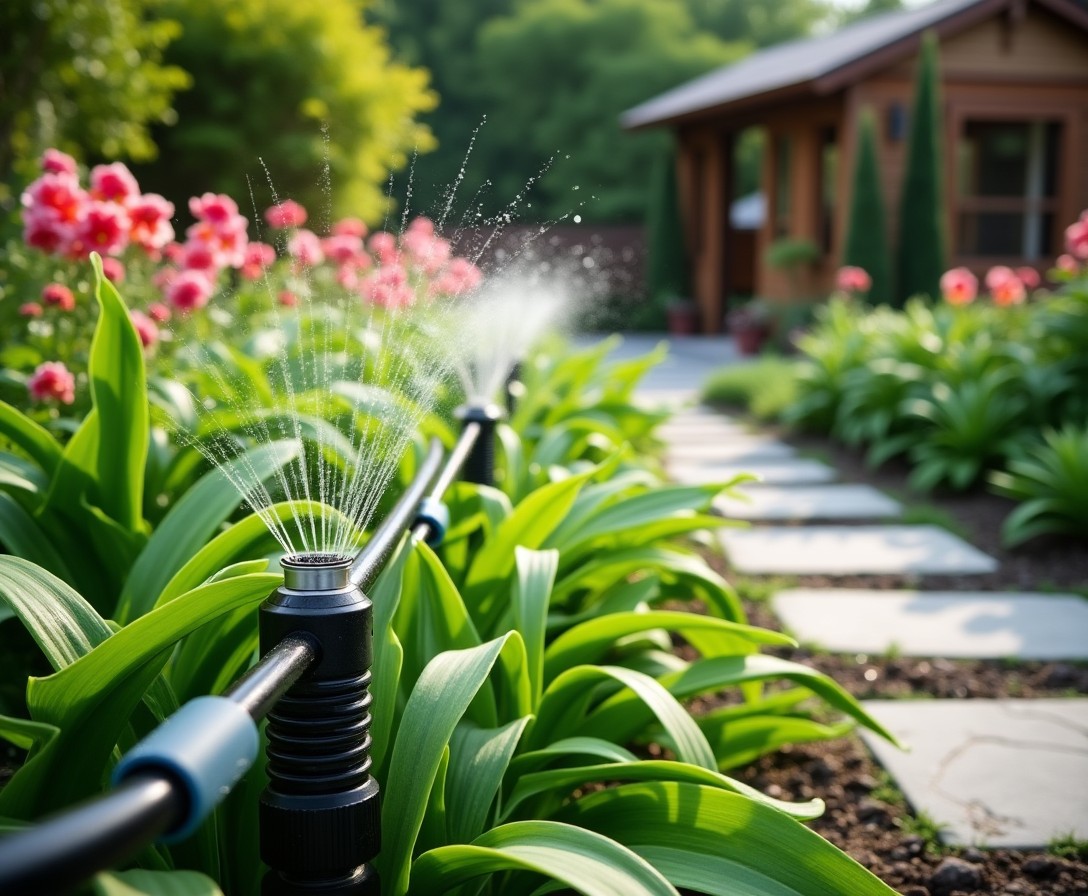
866 234
766 388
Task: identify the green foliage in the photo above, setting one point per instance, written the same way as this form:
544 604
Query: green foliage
1069 847
921 251
766 387
1050 480
667 268
866 234
267 75
597 59
85 77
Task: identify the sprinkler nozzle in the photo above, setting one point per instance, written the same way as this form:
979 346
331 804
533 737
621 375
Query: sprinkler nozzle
480 465
320 816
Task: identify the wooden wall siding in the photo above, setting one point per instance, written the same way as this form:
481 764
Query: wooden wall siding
702 186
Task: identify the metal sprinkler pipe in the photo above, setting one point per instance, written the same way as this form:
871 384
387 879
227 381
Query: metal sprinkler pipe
480 464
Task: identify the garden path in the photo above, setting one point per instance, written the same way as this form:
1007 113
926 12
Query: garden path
1007 773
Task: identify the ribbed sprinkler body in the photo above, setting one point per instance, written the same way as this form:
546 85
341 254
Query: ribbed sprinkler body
320 815
480 464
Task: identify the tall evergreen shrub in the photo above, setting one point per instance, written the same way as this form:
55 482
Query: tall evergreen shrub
921 257
866 233
667 271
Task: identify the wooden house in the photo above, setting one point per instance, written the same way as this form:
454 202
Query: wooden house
1014 107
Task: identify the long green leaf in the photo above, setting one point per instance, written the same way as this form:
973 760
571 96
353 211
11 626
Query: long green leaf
479 758
139 882
585 862
536 575
440 697
712 841
21 535
31 438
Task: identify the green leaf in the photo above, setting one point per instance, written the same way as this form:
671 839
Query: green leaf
139 882
536 575
479 758
440 697
193 520
585 862
21 535
31 438
720 843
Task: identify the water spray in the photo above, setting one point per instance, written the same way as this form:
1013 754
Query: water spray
515 389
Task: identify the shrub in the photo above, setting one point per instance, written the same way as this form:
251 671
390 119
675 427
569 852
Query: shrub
866 234
766 387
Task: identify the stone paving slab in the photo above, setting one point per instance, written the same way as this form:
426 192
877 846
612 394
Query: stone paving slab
729 450
976 624
782 471
852 550
998 773
734 450
846 501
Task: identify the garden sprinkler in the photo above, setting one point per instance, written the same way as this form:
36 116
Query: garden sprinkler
515 389
320 814
480 464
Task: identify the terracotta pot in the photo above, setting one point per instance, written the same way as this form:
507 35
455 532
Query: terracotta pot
683 320
750 340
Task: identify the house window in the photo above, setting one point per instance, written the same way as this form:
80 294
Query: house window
1007 176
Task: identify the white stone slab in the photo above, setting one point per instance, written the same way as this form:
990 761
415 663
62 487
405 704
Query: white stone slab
852 550
845 501
784 471
939 623
733 449
998 773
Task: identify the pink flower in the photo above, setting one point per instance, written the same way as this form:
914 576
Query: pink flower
163 277
421 225
226 240
52 379
425 251
145 328
199 255
59 296
287 298
30 309
158 312
1066 263
342 248
998 274
189 290
150 216
349 227
113 183
258 257
460 277
305 247
384 246
61 194
44 230
56 162
286 214
1076 237
1008 292
113 270
215 208
388 287
959 286
852 279
104 229
1029 277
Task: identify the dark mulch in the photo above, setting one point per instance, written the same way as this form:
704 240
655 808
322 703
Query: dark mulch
866 817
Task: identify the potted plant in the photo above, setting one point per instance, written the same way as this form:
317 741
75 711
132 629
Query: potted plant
750 325
682 316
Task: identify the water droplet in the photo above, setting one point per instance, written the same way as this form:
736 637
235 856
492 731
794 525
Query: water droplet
588 262
577 219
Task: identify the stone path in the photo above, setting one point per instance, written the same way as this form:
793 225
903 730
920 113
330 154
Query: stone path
1010 773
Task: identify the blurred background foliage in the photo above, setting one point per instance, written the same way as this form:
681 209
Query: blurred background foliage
199 94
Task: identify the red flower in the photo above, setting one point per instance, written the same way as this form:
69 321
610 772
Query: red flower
959 286
285 214
43 229
1009 291
52 380
56 162
113 183
189 290
30 309
150 216
853 280
104 229
145 328
287 298
61 194
59 296
215 208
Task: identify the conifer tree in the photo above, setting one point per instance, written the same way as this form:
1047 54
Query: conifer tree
667 262
866 233
921 208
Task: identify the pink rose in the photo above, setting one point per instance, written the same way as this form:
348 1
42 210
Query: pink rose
1009 291
1029 277
286 298
52 380
959 286
342 248
30 309
421 225
349 227
285 214
59 296
1067 263
56 162
852 279
1076 237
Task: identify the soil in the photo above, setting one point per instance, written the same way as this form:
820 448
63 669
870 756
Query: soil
866 816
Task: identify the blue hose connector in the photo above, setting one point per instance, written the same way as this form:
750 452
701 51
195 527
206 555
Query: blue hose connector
206 747
437 516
